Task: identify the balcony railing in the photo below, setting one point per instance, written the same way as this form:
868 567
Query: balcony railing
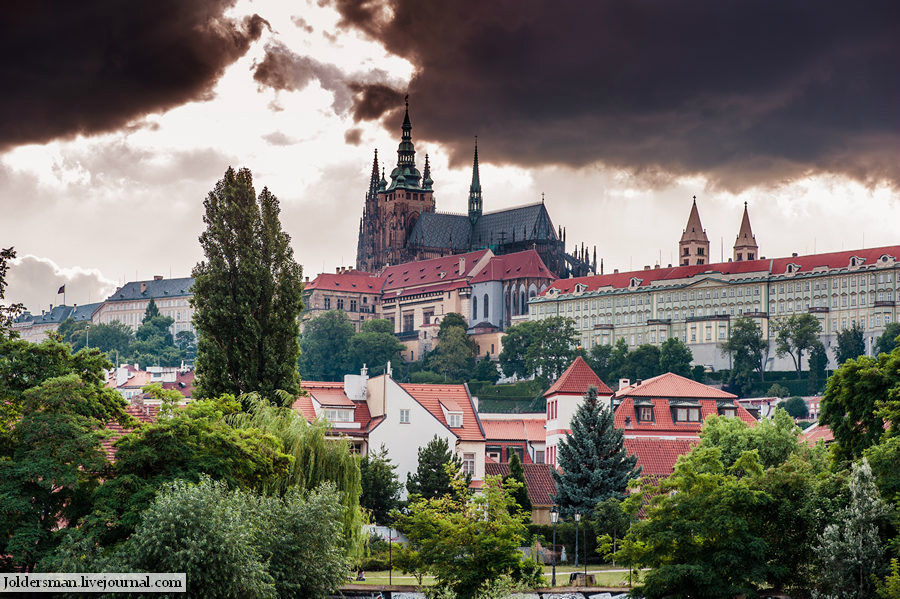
884 303
819 309
407 335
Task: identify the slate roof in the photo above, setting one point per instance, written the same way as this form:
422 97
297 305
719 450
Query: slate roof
162 288
430 398
85 311
436 229
54 316
538 480
576 380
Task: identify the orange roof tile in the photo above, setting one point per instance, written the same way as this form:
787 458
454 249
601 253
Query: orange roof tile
430 396
352 280
816 432
672 385
517 265
332 397
518 429
663 424
144 414
304 405
428 272
538 480
656 456
576 380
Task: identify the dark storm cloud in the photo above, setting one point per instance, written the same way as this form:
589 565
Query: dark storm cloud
353 136
94 66
745 92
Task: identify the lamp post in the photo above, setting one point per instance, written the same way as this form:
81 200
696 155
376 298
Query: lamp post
554 517
577 520
390 556
87 335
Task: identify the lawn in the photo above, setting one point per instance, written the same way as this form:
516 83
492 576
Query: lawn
606 576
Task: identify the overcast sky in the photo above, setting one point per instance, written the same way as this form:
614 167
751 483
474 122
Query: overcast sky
115 125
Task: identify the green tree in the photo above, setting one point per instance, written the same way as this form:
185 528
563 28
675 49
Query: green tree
698 373
851 553
795 335
850 344
618 358
454 356
186 341
675 357
818 362
72 332
7 313
451 320
747 348
516 341
374 345
888 339
432 479
776 390
553 348
486 370
325 347
643 362
773 439
467 540
247 294
592 459
114 338
796 407
380 486
520 492
52 461
850 406
154 344
697 537
151 312
598 360
610 522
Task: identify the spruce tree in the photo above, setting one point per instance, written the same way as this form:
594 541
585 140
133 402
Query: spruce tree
247 294
592 460
431 479
517 473
151 311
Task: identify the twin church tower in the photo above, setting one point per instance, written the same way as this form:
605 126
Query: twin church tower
694 245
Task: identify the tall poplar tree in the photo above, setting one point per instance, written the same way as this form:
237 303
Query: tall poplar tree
247 294
592 459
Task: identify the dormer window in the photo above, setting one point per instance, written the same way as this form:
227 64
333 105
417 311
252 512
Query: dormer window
792 268
580 288
644 413
856 261
338 415
687 414
635 282
454 420
728 411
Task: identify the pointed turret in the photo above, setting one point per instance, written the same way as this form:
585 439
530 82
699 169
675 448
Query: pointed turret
427 181
745 247
694 245
406 175
475 189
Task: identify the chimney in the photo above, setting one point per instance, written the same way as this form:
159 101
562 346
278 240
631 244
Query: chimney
794 255
637 382
337 270
646 267
143 287
157 277
624 383
306 279
615 271
462 266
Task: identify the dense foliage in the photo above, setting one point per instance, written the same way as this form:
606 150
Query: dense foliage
435 471
520 492
247 294
330 348
542 348
380 485
593 463
850 344
747 348
796 335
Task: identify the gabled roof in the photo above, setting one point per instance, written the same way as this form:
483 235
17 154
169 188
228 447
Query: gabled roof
538 480
671 385
625 417
693 231
439 229
517 265
331 394
576 380
184 383
657 457
157 288
521 223
351 281
430 397
436 271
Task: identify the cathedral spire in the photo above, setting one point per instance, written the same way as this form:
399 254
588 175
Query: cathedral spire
475 189
406 175
745 247
427 181
373 180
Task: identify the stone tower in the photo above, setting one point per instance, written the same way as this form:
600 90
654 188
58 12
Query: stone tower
392 210
745 247
694 245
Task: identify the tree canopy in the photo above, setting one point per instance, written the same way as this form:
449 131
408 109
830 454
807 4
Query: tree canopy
247 294
796 407
675 357
432 478
325 346
747 349
888 340
545 347
380 486
795 335
7 313
850 344
519 493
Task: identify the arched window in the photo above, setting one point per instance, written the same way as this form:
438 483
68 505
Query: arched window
487 308
475 311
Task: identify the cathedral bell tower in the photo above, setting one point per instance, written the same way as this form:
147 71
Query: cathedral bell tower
745 247
694 245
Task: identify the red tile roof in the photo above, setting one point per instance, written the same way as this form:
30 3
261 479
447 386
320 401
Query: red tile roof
816 432
143 414
519 429
576 380
777 266
538 479
351 280
331 394
430 396
304 405
430 272
518 265
673 385
333 398
656 456
184 383
662 423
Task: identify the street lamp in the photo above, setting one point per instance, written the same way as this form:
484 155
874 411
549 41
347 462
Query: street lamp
577 520
554 518
87 336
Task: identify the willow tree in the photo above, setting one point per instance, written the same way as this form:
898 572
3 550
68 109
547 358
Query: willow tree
316 460
247 294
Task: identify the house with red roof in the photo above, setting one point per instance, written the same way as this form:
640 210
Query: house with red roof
563 399
380 412
539 483
355 293
522 434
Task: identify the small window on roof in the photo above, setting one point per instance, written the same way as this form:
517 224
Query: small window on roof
454 420
644 413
